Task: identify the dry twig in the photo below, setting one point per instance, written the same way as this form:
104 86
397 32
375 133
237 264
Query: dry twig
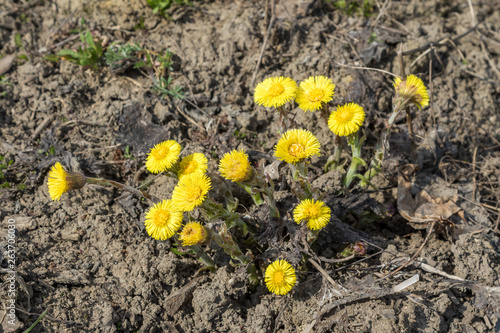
264 44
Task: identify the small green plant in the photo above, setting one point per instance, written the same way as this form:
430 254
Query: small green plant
51 58
4 83
24 18
163 88
127 154
89 56
18 41
374 38
117 55
140 24
351 7
4 165
161 6
239 135
158 65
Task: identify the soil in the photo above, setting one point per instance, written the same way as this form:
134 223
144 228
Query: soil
87 258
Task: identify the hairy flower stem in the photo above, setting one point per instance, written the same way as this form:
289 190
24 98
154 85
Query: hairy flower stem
203 257
265 186
312 235
299 174
382 146
268 193
356 144
333 161
212 210
227 243
137 192
256 197
284 121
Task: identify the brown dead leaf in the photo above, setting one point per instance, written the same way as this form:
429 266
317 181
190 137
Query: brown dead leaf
422 209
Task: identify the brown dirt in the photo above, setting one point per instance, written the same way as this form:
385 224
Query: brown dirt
88 259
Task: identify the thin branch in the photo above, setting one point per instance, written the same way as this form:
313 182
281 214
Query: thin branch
264 44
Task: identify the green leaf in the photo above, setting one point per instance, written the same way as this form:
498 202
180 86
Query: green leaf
359 161
18 41
70 53
5 185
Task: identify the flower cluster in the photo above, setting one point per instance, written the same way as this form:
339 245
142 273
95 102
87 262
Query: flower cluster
296 147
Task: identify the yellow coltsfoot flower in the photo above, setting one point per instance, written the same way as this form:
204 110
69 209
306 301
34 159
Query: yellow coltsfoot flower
193 233
163 156
235 166
412 90
275 91
316 214
347 119
163 220
296 145
195 163
190 192
60 181
280 277
314 92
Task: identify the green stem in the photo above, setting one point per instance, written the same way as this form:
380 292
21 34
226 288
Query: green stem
382 145
137 192
299 173
284 121
256 197
203 257
37 321
356 144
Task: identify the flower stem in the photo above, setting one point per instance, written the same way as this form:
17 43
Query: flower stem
299 173
382 145
356 143
203 257
256 197
284 121
137 192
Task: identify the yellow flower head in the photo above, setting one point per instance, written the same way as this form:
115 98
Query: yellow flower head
235 166
193 233
275 91
347 119
412 90
163 220
280 277
163 156
194 163
295 145
316 214
190 192
60 181
313 92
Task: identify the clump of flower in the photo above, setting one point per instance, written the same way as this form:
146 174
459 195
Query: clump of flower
347 119
163 220
60 181
195 163
224 225
315 213
280 277
235 166
314 93
193 233
190 192
275 91
163 156
412 90
296 145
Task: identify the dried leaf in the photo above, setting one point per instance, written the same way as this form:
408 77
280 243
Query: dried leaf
423 209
